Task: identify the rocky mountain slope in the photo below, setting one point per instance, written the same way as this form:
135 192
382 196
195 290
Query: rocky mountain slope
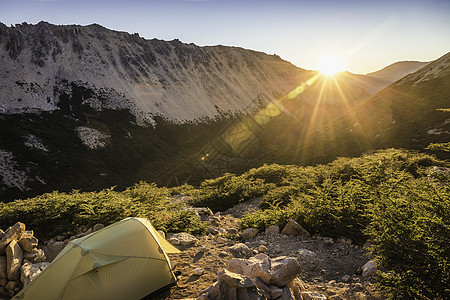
406 114
177 81
85 107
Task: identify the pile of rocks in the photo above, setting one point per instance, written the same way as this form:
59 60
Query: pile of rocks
20 259
259 277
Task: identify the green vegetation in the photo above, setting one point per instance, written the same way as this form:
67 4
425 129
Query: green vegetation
53 213
394 198
390 197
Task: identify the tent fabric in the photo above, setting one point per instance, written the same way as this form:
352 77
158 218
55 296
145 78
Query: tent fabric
126 260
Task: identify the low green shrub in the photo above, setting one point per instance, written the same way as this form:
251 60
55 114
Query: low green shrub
410 232
53 213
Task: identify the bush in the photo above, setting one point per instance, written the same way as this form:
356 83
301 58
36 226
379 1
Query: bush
410 231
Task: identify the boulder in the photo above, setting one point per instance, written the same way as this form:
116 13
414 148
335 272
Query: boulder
313 296
272 230
369 269
28 271
3 273
293 228
235 280
249 233
236 265
27 241
13 260
13 233
240 251
185 239
260 269
284 270
233 286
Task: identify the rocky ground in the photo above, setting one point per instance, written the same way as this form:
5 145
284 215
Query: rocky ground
330 267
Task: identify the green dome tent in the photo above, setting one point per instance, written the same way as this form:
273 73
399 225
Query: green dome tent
126 260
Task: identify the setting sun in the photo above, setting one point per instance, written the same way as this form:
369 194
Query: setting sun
330 65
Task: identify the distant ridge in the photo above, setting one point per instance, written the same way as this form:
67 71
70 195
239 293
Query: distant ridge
398 70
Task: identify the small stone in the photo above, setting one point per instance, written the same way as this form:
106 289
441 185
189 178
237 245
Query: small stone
313 296
98 227
346 278
328 240
202 249
27 241
275 292
198 271
173 264
35 256
277 249
307 253
272 230
249 233
240 251
11 285
331 282
293 228
89 231
221 240
344 240
174 241
263 242
262 248
60 238
185 239
369 269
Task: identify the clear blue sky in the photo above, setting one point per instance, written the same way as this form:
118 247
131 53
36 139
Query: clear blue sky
367 34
